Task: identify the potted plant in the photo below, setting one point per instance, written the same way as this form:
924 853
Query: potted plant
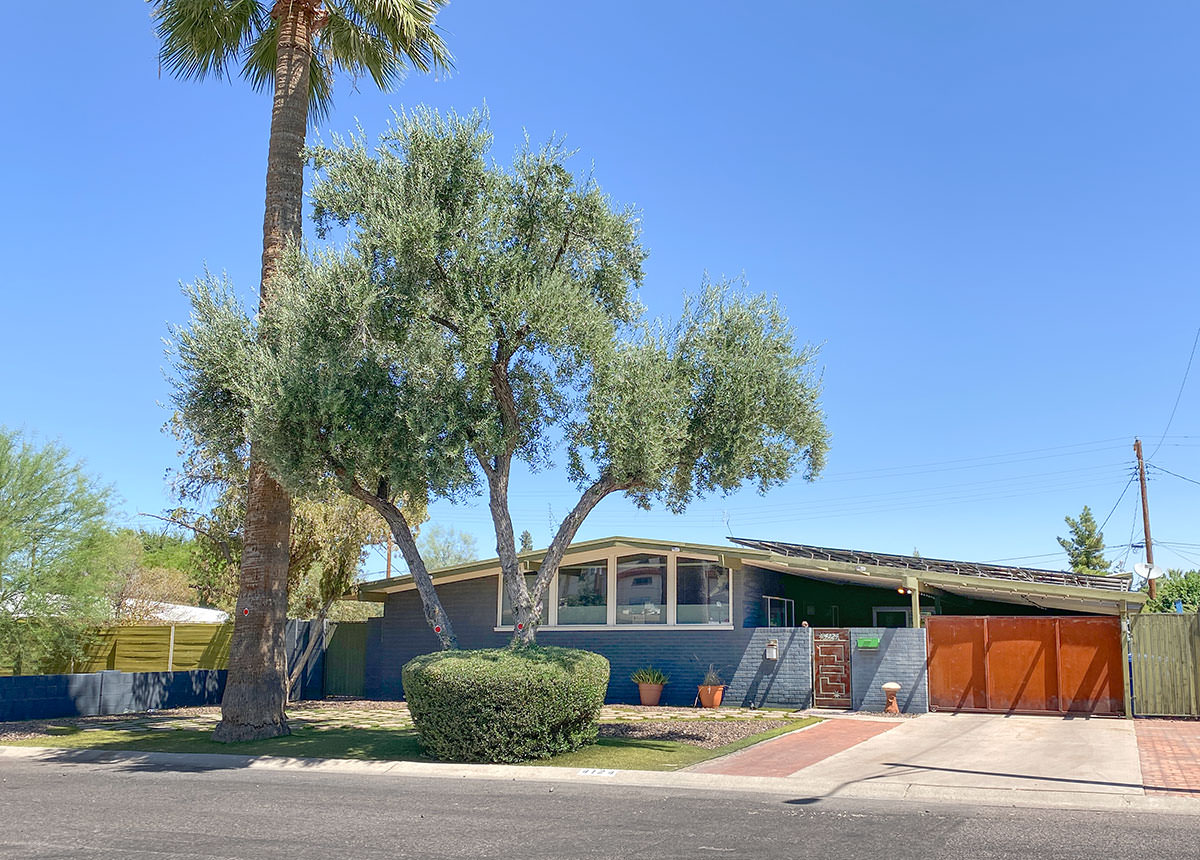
650 682
712 689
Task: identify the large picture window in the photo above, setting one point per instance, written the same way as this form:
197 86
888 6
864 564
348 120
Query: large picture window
701 592
583 594
664 589
642 589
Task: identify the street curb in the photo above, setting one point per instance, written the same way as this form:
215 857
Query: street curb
799 789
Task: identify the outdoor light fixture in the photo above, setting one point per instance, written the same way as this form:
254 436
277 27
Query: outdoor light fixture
903 590
772 650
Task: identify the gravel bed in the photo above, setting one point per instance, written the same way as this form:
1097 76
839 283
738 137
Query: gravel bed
708 734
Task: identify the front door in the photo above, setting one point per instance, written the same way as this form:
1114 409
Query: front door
831 668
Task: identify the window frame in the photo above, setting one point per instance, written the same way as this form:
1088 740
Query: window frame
609 559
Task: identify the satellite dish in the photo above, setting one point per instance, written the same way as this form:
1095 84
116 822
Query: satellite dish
1147 571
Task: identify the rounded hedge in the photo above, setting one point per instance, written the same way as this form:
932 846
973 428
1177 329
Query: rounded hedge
505 705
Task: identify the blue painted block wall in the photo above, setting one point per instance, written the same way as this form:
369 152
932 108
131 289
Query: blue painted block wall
40 697
684 654
900 658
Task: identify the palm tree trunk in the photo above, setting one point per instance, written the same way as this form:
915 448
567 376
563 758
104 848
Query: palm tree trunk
256 687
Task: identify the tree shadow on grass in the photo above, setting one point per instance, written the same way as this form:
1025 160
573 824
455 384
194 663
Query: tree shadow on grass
308 743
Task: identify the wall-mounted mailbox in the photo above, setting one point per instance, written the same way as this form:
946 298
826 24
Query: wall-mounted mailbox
867 641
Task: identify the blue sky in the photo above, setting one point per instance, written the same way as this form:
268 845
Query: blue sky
986 213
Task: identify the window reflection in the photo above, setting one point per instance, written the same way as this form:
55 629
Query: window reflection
701 592
642 589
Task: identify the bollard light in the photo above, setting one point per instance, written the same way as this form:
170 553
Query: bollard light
772 650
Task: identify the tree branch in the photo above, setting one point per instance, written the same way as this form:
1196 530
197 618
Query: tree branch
222 545
435 613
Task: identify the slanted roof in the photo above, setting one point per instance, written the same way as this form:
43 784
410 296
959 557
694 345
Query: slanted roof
939 565
1045 589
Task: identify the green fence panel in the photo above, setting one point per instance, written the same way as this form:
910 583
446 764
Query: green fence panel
1165 665
346 659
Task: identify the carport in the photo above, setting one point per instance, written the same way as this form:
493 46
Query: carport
999 639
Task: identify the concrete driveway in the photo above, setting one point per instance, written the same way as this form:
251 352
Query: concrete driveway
948 756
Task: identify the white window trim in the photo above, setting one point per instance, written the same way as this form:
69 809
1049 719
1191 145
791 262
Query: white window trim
610 560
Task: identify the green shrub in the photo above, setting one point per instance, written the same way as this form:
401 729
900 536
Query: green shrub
505 705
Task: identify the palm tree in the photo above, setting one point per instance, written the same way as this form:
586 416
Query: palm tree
295 47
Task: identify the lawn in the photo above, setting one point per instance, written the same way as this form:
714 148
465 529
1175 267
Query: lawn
385 744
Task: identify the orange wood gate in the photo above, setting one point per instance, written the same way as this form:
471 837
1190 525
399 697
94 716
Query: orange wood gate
831 668
1056 665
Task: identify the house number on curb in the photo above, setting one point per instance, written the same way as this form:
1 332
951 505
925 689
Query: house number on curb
596 771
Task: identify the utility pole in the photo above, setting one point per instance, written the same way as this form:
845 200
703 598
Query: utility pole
389 556
1137 449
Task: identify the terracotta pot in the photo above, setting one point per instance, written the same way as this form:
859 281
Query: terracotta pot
711 695
650 693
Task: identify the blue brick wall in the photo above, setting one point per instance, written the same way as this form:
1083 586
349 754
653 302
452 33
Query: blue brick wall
900 658
36 697
684 654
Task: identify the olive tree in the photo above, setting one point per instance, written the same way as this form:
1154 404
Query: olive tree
478 315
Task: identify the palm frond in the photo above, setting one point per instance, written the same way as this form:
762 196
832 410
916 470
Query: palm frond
376 37
199 38
364 37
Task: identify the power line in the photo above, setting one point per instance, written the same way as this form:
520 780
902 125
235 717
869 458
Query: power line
1186 371
1174 474
1114 507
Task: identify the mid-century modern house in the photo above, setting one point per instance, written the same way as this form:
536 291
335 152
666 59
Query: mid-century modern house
794 625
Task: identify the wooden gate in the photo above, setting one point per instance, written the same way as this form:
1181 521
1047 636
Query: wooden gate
346 659
1025 664
1164 656
831 668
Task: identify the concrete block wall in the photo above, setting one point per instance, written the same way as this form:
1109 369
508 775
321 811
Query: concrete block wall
684 654
36 697
900 658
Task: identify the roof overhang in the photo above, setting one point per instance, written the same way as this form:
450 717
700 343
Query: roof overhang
1042 595
732 557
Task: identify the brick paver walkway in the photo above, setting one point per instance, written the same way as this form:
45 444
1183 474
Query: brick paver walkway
1170 755
796 751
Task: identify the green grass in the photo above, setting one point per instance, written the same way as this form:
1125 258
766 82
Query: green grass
303 742
640 754
386 745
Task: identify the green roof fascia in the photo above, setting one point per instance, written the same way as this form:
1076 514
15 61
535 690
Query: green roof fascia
534 557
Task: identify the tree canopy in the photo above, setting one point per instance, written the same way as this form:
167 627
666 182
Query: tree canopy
479 315
1085 545
228 38
53 538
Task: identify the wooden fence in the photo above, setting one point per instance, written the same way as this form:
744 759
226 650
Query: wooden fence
1164 660
158 648
346 659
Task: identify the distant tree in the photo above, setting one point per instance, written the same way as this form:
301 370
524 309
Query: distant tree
1176 585
53 530
441 546
1085 546
526 541
482 315
138 588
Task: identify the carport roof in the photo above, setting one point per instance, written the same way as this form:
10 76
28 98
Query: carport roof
1046 589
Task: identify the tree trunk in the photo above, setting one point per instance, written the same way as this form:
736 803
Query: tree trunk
256 687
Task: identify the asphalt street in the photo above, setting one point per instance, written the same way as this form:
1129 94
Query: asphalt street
140 810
